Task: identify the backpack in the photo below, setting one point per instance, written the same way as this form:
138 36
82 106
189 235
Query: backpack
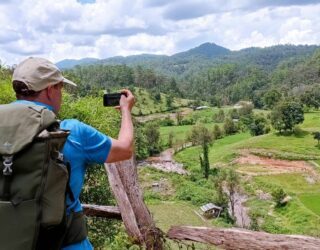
33 179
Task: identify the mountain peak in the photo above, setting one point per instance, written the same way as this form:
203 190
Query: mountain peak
208 50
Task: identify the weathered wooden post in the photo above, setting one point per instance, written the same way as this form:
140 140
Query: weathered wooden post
240 239
123 179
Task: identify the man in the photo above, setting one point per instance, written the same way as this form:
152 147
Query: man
40 82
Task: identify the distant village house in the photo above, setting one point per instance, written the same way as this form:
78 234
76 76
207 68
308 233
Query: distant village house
211 211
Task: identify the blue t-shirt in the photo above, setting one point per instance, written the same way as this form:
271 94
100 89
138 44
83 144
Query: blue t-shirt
85 145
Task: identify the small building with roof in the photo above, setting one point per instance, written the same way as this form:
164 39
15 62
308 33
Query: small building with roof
210 210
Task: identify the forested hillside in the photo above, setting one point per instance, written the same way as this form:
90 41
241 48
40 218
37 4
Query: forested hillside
211 73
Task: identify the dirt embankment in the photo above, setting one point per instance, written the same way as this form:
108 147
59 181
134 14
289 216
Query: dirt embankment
271 165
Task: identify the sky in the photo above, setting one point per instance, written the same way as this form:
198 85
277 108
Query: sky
74 29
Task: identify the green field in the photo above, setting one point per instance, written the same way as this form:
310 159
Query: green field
311 201
291 183
312 121
221 151
167 214
180 132
304 145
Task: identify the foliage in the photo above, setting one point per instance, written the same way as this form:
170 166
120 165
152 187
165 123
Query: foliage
166 121
316 136
311 98
246 109
204 160
232 185
6 92
170 139
196 194
169 101
249 74
278 195
141 143
188 121
287 114
258 125
271 98
219 117
200 135
230 127
121 241
179 118
234 114
217 132
152 134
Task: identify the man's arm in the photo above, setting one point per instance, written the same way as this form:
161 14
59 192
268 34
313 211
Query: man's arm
122 148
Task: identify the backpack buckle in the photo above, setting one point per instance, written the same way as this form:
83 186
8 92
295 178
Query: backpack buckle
7 163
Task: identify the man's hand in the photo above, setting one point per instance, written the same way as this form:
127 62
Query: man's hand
126 101
122 148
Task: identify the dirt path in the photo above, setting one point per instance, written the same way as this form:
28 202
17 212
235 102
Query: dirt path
164 162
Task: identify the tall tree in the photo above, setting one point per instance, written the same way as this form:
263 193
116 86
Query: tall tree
286 115
271 98
153 138
200 135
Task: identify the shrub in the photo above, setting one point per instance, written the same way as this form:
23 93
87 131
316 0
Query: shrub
152 134
316 136
230 127
286 115
188 121
217 132
258 126
219 117
278 195
196 195
166 122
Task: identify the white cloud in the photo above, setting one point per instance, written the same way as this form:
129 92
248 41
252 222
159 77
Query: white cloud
60 29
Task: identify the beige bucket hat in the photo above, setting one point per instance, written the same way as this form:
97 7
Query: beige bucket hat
39 73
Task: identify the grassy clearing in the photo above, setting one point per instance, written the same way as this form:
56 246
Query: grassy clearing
305 145
294 218
167 214
311 201
174 187
311 121
291 183
299 216
221 151
180 132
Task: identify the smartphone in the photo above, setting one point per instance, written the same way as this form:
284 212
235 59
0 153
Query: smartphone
113 99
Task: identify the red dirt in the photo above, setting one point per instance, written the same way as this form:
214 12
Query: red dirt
299 166
274 166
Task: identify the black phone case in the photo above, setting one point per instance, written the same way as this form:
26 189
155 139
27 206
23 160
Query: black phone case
110 100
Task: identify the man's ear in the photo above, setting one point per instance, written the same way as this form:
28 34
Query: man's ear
50 92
